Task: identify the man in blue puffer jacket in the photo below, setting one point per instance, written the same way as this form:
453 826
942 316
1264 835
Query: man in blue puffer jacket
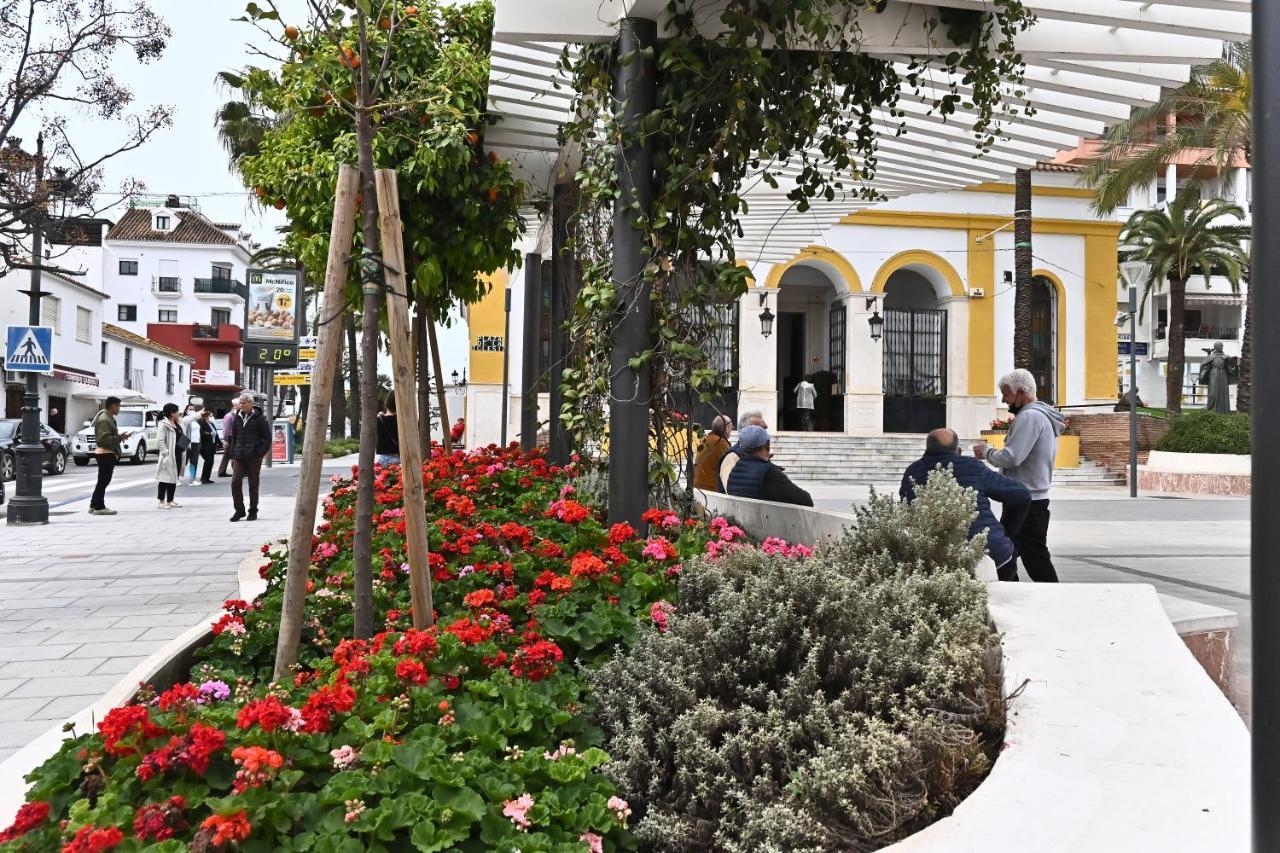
942 448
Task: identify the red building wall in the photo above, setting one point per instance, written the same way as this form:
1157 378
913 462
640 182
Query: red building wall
198 341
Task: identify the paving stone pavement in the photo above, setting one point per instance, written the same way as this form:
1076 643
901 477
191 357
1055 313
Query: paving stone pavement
86 598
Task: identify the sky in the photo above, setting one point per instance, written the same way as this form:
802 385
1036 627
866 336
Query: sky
187 159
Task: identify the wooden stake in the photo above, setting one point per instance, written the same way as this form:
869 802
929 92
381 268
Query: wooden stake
328 354
402 368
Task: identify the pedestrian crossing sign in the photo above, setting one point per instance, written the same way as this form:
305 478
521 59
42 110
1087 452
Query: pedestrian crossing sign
29 348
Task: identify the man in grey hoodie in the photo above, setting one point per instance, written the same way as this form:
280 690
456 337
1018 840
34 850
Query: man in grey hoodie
1027 456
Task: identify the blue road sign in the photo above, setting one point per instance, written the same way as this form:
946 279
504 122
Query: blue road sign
29 348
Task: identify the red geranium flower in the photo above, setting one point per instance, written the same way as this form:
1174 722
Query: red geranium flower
587 565
269 713
411 671
30 815
228 828
160 821
480 598
91 839
121 723
537 660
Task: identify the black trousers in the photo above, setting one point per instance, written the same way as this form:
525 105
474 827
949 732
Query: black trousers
166 491
242 469
806 420
1033 547
206 454
106 467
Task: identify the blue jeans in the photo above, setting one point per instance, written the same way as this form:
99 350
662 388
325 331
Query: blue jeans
385 459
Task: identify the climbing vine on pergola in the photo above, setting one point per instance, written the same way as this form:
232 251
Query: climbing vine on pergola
781 94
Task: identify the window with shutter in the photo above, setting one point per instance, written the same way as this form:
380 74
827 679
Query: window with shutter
84 325
49 311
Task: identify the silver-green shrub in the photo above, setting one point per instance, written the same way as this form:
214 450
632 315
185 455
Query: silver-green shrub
839 702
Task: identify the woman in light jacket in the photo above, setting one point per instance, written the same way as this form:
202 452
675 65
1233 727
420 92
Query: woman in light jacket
169 463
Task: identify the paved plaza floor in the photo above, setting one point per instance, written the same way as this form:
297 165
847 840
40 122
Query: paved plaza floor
85 599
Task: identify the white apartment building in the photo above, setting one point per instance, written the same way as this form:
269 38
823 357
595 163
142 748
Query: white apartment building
178 279
74 308
139 364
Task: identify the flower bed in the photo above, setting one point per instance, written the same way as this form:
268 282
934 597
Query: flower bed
484 731
469 735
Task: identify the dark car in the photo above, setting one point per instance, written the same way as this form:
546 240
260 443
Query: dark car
55 449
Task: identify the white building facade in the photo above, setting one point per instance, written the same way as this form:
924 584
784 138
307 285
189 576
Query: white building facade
74 309
937 268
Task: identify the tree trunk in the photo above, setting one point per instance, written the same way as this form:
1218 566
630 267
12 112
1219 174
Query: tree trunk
1244 389
1022 269
441 392
362 547
1177 344
352 402
338 415
422 356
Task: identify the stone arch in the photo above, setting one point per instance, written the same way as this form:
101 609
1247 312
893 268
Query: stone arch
945 280
830 262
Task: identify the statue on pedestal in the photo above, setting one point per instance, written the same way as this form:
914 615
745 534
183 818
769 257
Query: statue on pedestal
1219 372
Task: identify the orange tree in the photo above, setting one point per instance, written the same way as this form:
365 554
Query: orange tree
429 73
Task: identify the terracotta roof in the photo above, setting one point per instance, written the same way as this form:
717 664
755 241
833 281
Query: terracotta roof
110 330
191 228
1057 167
77 283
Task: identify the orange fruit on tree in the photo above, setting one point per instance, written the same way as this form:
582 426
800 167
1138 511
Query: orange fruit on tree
493 156
410 11
472 138
279 204
493 194
384 23
291 33
261 192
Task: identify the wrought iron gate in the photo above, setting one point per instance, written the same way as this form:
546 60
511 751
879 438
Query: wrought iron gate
721 351
915 370
835 344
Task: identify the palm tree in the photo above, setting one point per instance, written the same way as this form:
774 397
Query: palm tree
1214 108
241 123
1184 238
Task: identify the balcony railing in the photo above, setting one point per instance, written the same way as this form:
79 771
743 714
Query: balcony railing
166 284
221 286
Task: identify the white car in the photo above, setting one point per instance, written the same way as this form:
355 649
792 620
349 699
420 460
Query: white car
139 421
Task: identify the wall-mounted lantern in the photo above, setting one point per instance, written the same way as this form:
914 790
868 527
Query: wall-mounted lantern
875 322
766 316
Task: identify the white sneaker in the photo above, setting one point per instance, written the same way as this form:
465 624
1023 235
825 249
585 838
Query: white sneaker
195 483
173 504
161 505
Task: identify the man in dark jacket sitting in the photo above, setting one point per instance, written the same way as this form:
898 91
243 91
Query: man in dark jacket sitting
756 477
942 448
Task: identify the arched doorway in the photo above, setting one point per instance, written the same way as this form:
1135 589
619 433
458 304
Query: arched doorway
1044 338
811 330
914 352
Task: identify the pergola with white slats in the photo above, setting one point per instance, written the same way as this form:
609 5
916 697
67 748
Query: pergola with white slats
1089 62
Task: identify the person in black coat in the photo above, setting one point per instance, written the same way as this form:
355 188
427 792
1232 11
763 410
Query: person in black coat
754 476
248 444
942 450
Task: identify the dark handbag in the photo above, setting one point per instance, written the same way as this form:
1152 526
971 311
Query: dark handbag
183 441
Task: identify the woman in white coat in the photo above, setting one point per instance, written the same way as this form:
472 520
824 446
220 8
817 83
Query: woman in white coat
169 463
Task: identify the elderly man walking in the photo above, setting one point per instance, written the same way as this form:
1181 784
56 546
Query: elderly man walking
942 450
1027 456
248 445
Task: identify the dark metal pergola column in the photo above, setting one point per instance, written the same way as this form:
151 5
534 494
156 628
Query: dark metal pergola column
531 339
635 90
1265 423
563 269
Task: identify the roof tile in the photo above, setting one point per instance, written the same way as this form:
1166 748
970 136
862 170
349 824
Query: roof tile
191 228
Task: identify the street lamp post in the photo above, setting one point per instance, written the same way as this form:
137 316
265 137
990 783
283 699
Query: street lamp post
506 361
29 505
1134 272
